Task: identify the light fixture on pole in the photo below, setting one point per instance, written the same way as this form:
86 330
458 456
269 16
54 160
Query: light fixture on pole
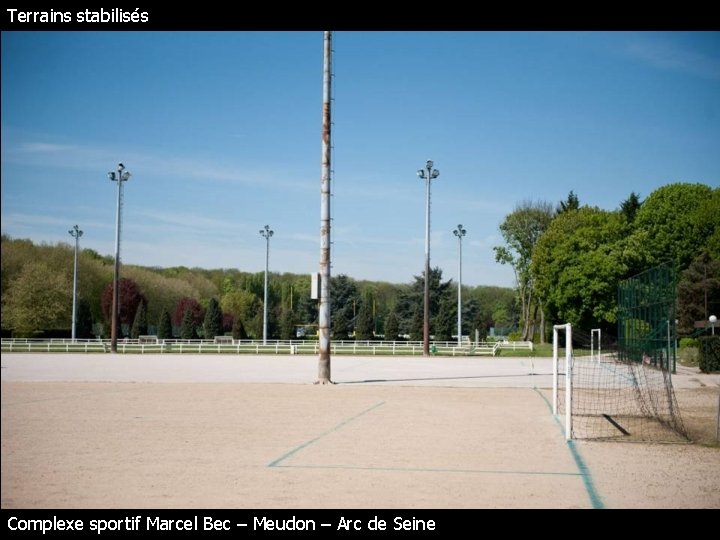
266 233
713 320
76 233
459 232
120 176
427 174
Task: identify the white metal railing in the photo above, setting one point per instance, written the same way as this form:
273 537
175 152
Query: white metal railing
228 346
516 345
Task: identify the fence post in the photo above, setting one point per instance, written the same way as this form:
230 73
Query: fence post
717 430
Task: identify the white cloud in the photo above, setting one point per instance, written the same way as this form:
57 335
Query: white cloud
96 158
42 148
671 56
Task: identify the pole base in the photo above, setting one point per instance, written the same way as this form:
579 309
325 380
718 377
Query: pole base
324 381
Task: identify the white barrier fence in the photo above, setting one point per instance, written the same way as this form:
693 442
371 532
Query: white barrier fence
223 345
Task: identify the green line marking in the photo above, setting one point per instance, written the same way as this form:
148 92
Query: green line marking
432 470
332 430
595 499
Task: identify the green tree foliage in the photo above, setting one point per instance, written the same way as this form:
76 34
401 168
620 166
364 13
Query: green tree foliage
165 326
392 327
164 288
365 324
521 230
188 325
568 205
488 299
579 261
416 325
213 324
343 301
39 297
698 292
287 324
410 299
501 316
274 316
14 254
130 298
482 324
246 307
305 308
341 326
238 329
707 224
162 292
669 222
445 324
94 273
84 324
20 256
140 323
470 312
630 206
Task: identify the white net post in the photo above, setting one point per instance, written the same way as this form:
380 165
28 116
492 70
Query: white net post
568 375
555 371
568 381
594 331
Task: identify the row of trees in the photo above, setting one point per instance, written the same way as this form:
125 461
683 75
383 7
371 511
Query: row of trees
569 259
190 303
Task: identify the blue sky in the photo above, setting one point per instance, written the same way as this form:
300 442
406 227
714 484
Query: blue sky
221 132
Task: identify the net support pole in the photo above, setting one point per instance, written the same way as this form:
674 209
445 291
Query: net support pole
568 375
717 430
594 331
568 381
555 371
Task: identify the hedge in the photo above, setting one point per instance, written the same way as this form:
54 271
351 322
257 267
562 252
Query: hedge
709 348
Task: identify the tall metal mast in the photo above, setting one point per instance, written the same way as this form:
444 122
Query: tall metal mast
324 326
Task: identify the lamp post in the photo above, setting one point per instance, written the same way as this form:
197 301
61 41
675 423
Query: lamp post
120 176
459 232
266 233
713 320
76 233
322 279
427 174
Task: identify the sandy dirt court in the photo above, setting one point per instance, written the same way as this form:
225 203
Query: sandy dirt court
104 431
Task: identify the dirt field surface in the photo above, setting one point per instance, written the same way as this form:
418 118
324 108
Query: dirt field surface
104 431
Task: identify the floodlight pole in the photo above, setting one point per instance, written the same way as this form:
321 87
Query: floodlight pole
120 176
76 233
324 314
267 234
431 173
459 232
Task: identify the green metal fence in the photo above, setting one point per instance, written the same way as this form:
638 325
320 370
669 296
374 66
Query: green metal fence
647 312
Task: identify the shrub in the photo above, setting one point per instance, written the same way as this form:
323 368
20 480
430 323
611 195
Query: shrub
688 342
514 336
709 347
